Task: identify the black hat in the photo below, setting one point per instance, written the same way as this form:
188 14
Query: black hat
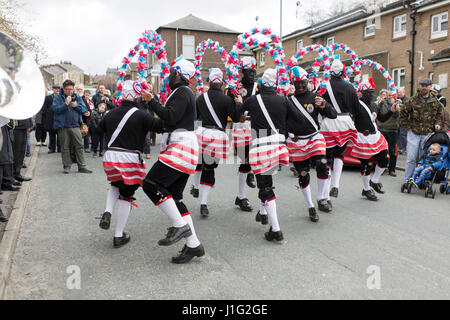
426 82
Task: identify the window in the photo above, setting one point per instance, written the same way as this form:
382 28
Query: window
189 47
369 30
443 80
399 77
299 44
400 26
439 25
262 59
330 41
431 76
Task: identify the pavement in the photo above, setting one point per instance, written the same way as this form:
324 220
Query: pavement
403 237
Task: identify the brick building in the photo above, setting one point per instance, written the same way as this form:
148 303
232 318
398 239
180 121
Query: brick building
383 35
182 38
56 74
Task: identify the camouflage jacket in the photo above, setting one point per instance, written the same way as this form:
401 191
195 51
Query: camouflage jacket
421 116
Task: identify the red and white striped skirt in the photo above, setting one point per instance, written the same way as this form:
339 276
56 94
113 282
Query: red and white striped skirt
180 152
124 166
264 157
213 142
338 132
368 146
241 134
305 149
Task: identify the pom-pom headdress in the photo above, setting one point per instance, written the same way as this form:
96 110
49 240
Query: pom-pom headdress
298 74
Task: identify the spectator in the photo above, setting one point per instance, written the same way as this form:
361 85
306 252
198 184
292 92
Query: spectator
86 120
98 137
382 95
389 129
69 108
101 96
41 134
420 115
402 132
7 158
54 144
19 147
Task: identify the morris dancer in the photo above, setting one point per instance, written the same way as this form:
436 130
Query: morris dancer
371 146
166 181
213 109
269 113
242 134
306 144
341 131
126 128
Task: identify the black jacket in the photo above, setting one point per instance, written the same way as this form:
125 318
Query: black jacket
47 121
133 134
345 95
180 109
305 100
280 109
363 121
223 106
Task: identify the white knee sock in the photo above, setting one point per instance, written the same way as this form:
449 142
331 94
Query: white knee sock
192 241
337 172
271 208
328 188
206 190
378 173
111 199
197 178
322 189
308 197
366 183
123 213
242 184
262 210
169 207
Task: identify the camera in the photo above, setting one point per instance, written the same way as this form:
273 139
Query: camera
74 98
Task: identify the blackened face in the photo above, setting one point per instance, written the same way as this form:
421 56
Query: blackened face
248 76
367 95
301 87
174 77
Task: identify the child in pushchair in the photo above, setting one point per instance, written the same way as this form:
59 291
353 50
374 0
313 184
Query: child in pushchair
434 167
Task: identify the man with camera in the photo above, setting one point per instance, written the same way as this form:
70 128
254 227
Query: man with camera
102 97
68 109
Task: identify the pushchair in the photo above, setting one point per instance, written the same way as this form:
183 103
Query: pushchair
439 176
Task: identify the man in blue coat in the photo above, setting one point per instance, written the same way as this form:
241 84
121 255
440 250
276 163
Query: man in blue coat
68 109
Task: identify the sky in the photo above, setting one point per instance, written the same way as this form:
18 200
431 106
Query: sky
97 34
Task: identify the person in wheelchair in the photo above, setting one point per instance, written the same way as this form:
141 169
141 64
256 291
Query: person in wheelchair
431 163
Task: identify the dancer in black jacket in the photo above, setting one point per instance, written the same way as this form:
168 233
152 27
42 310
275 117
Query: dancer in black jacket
213 109
306 144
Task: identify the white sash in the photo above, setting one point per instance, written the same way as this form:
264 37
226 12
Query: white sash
121 125
266 114
211 110
306 114
333 98
172 94
370 114
254 89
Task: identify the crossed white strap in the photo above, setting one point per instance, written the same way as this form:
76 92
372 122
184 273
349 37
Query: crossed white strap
306 114
333 98
266 114
121 125
211 110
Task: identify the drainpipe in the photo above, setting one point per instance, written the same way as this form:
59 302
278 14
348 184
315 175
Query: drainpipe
413 33
176 44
